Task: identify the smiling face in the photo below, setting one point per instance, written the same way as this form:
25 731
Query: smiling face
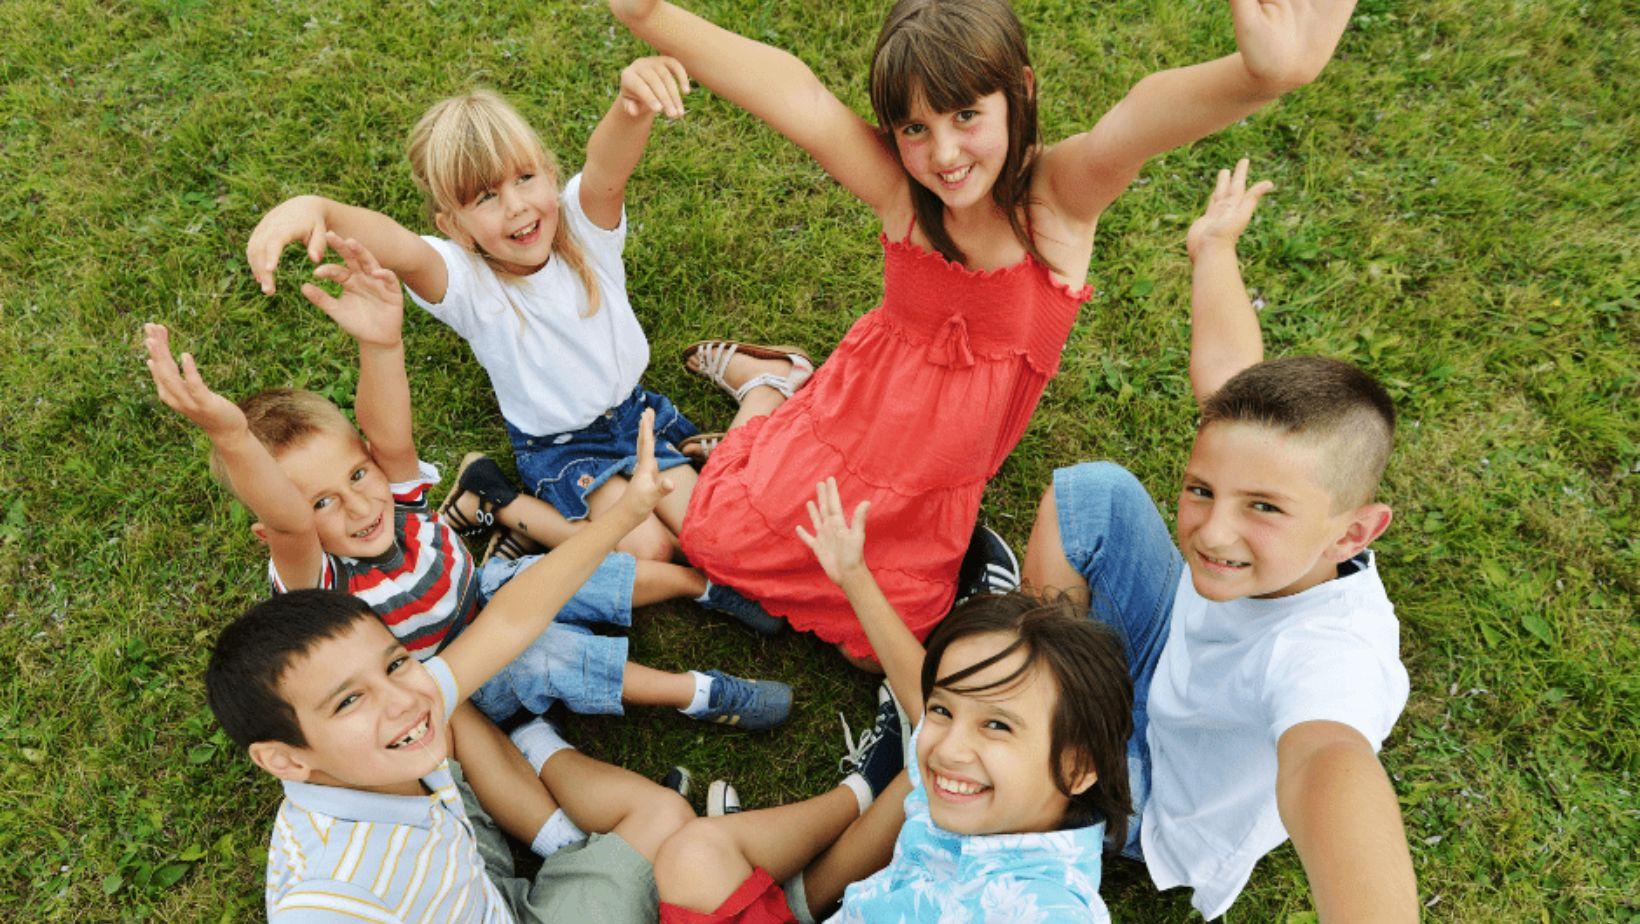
1255 519
371 715
956 155
351 497
985 756
513 222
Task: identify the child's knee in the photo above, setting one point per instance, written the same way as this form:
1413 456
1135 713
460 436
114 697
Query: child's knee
651 541
861 662
697 845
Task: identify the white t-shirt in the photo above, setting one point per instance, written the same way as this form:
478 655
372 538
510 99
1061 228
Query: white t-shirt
556 370
1231 679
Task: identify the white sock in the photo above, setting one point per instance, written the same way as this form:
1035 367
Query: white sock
702 598
861 789
797 899
703 695
539 741
559 832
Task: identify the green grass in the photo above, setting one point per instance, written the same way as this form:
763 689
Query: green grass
1456 211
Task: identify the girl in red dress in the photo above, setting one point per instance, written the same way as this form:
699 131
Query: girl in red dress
987 236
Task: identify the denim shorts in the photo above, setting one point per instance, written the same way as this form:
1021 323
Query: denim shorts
569 662
565 468
1114 536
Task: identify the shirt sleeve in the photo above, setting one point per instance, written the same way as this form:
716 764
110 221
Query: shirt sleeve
1328 674
456 308
440 669
413 493
330 901
603 245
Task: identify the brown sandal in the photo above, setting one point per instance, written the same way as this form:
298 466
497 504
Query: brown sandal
698 448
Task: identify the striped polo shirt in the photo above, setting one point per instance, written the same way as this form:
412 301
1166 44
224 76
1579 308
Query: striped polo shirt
423 587
345 854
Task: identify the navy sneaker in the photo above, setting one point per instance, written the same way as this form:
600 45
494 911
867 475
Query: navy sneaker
988 567
721 799
728 600
752 705
878 755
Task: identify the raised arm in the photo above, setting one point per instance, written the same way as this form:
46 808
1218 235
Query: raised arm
371 310
308 218
1224 332
839 544
779 89
648 86
524 608
1341 812
1283 44
286 520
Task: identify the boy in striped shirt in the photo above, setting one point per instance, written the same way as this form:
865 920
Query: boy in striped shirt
349 512
378 823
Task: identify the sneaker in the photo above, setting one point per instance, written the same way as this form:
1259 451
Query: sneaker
879 754
751 705
721 799
679 780
988 567
728 600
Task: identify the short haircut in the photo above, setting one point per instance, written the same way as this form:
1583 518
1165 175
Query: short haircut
253 653
282 417
1327 402
1093 716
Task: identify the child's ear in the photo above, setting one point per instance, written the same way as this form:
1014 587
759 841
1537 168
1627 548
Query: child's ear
1366 523
1030 82
1081 776
260 531
281 760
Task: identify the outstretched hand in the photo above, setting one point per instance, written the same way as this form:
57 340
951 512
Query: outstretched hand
838 543
299 219
371 308
1286 43
654 84
647 486
1228 210
183 389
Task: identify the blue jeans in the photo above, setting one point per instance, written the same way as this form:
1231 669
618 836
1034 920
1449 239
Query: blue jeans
569 661
1114 536
565 468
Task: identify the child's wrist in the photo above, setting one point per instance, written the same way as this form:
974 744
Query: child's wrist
855 579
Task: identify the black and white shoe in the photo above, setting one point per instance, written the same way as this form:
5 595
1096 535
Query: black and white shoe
878 755
721 799
679 780
989 566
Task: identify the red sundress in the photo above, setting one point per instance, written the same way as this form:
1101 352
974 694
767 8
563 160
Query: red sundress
914 411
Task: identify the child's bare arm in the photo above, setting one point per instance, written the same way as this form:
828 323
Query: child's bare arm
1283 44
371 310
648 86
1224 332
839 544
525 607
501 778
779 89
309 218
1341 812
285 515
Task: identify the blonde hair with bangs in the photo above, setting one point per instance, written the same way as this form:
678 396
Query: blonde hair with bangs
464 145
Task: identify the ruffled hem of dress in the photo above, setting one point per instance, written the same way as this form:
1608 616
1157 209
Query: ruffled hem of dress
844 459
855 642
918 251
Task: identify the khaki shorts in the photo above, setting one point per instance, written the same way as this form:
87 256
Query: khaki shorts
604 880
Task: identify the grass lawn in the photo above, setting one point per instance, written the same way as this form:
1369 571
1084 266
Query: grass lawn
1456 211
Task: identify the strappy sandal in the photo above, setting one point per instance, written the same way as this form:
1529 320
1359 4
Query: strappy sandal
483 479
510 545
698 448
716 354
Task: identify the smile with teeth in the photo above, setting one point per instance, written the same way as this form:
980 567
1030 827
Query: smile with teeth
369 530
953 177
1224 562
413 735
958 787
527 232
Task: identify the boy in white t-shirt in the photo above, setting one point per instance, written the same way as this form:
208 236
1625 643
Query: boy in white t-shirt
1264 657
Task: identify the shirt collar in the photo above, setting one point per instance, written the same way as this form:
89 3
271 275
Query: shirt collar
361 805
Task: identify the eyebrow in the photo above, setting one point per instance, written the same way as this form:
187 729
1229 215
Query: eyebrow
1190 476
352 679
1009 714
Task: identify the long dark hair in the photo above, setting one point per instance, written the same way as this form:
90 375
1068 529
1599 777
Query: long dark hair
949 53
1094 715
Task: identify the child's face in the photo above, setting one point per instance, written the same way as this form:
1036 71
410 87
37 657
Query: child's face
513 222
956 155
373 717
351 498
1254 517
985 757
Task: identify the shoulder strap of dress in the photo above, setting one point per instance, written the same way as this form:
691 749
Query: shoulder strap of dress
911 228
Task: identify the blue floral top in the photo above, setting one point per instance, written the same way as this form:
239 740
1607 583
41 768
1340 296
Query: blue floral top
937 876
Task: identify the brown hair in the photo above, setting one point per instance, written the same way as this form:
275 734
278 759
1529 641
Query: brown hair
1327 401
467 144
1093 717
281 418
949 53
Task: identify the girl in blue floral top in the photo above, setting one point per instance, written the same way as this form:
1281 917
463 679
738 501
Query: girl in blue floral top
1017 769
